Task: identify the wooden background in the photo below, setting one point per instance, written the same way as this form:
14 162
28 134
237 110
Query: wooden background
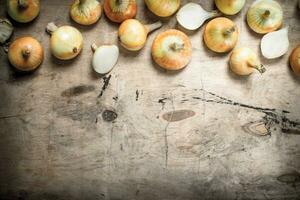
67 133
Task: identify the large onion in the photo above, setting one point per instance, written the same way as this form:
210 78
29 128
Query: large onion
120 10
66 41
25 54
163 8
23 11
85 12
295 60
6 30
172 50
221 35
265 16
230 7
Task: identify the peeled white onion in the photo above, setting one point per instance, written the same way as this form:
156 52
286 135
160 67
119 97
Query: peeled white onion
6 30
192 16
275 44
105 58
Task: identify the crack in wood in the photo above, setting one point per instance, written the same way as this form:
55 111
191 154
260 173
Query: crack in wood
106 80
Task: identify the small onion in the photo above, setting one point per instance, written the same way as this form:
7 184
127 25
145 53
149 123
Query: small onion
23 11
133 34
230 7
120 10
295 60
85 12
6 30
221 35
66 41
243 61
25 54
172 49
163 8
265 16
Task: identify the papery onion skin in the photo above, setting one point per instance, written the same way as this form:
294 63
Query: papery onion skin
243 61
172 50
230 7
127 9
23 11
163 8
6 30
221 35
295 60
25 54
265 16
86 12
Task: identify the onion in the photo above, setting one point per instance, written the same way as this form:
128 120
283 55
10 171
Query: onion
85 12
197 13
133 34
66 42
25 54
120 10
295 60
243 61
172 49
105 58
23 11
163 8
265 16
221 35
230 7
6 30
275 44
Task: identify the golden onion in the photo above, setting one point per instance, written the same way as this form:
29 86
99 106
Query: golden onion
230 7
163 8
85 12
120 10
295 60
23 11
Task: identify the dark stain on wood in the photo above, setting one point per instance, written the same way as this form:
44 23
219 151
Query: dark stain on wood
178 115
137 93
78 90
289 178
109 115
106 80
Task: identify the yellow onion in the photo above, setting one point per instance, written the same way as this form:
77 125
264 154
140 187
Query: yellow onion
163 8
243 61
85 12
265 16
133 34
120 10
230 7
221 35
66 41
23 11
172 49
25 54
295 60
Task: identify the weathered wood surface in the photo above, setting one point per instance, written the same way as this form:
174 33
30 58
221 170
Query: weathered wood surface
229 137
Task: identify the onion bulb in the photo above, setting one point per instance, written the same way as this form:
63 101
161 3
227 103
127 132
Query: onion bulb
265 16
105 58
197 13
221 35
66 41
172 49
230 7
295 60
85 12
163 8
275 44
120 10
243 61
133 34
25 54
23 11
6 30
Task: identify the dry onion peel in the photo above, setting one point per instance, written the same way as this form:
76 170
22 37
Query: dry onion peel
163 8
230 7
295 60
105 58
23 11
196 13
6 30
85 12
120 10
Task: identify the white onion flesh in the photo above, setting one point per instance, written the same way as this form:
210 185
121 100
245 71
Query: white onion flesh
105 58
275 44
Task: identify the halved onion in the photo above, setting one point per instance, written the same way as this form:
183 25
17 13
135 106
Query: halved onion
23 11
85 12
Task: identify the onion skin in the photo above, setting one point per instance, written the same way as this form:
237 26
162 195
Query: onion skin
172 50
230 7
243 61
6 30
265 16
26 54
23 11
295 60
86 12
221 35
117 13
163 8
